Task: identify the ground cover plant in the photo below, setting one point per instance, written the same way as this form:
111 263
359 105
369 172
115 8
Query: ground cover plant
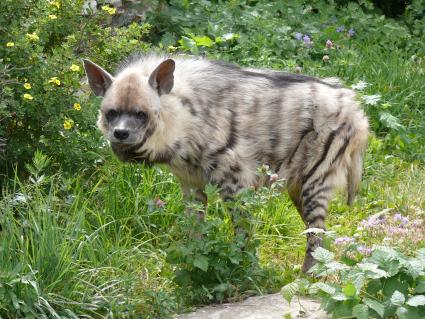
83 235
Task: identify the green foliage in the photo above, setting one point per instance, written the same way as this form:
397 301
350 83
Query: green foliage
216 255
44 104
71 248
383 285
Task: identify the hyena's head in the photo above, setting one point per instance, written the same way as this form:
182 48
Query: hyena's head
130 107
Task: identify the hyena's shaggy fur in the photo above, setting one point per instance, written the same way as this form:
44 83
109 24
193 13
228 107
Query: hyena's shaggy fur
213 122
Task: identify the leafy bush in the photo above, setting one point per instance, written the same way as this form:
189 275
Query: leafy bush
384 285
215 255
44 103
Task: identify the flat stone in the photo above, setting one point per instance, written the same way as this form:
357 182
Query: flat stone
262 307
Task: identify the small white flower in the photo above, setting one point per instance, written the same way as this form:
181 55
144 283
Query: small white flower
359 86
371 99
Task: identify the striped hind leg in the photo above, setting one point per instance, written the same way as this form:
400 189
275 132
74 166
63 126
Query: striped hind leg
315 197
311 202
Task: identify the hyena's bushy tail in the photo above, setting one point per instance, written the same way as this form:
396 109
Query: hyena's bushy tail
353 159
354 173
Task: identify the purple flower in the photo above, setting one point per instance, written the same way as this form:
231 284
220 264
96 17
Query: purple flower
400 218
340 29
343 240
298 36
307 41
351 32
372 222
364 250
329 44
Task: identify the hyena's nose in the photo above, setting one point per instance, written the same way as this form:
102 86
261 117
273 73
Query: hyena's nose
121 134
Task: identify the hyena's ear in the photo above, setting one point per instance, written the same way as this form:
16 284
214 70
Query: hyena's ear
162 78
99 79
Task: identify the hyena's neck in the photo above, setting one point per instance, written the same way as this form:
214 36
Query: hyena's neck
170 137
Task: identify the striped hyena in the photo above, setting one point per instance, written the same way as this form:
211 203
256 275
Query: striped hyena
213 122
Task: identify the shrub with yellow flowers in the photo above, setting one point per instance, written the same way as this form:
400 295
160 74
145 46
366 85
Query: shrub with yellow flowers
44 101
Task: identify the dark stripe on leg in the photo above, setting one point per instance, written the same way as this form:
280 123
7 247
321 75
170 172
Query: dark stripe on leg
317 192
325 152
303 134
312 207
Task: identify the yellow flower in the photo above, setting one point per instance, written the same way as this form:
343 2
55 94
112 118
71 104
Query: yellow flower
27 86
74 68
28 96
32 36
10 44
55 80
77 106
55 3
110 10
68 124
52 17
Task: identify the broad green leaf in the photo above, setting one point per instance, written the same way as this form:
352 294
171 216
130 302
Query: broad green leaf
409 313
290 290
374 286
357 277
375 305
339 296
413 267
314 288
397 298
395 283
204 41
323 255
390 121
331 268
349 290
420 288
416 301
361 311
201 262
401 313
372 271
187 43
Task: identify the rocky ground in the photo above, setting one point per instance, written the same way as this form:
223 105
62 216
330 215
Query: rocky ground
261 307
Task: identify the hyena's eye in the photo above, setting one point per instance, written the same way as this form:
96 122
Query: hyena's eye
141 115
111 115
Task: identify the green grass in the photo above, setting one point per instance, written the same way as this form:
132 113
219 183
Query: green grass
100 246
